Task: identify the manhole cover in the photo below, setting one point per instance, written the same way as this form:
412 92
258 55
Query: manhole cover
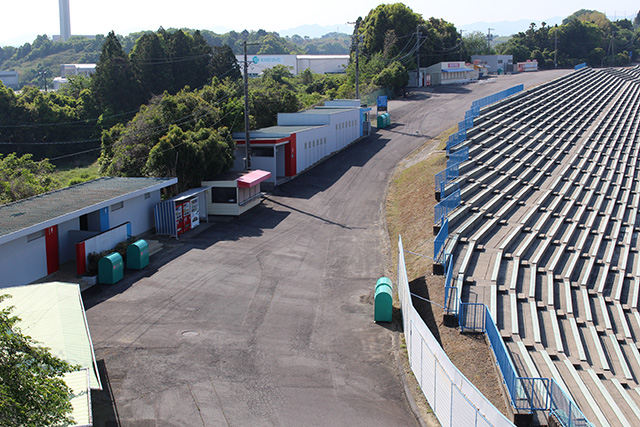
189 333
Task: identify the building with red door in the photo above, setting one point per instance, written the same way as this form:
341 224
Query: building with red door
40 233
302 139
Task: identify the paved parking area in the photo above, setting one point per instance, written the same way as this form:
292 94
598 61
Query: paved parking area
268 319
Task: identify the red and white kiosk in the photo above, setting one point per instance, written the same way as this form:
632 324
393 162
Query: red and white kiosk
235 193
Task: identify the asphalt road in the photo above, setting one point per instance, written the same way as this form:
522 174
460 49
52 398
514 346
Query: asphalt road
268 319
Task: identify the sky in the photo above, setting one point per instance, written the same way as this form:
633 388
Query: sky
23 20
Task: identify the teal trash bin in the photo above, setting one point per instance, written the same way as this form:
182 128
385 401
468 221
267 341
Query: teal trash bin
110 269
388 119
383 300
138 255
380 121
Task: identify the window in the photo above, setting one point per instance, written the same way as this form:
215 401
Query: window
223 195
117 206
33 236
261 151
147 196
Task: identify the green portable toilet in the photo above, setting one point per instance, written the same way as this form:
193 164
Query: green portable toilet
383 300
138 255
110 269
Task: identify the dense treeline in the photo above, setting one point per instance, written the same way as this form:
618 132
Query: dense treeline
72 120
43 54
166 102
586 36
167 107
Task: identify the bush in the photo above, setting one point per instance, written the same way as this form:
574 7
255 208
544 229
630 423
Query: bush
95 257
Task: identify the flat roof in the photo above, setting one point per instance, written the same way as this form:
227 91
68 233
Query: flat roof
53 314
326 110
323 56
44 210
275 131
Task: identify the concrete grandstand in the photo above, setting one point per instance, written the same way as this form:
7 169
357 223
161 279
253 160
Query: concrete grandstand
546 234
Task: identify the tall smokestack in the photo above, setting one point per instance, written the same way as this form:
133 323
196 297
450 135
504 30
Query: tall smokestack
65 20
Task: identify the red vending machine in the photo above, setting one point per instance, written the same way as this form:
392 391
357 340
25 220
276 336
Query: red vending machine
186 216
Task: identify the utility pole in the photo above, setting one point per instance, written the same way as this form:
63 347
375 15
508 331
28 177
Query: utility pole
247 140
418 44
461 40
489 39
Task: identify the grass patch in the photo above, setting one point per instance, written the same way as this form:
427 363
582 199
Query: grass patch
410 206
409 212
67 175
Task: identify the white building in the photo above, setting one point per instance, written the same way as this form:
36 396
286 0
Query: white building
69 70
301 140
40 233
447 73
496 64
319 64
10 79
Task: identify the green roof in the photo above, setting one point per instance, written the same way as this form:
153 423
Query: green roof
32 214
53 314
78 382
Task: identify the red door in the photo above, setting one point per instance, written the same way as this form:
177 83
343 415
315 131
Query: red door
51 243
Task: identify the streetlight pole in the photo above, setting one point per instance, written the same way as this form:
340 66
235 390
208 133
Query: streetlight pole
43 73
489 40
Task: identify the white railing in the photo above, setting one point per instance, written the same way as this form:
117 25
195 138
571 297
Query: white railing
455 401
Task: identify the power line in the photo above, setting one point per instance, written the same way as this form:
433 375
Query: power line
92 120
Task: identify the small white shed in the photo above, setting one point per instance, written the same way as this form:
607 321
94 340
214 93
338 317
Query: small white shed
235 193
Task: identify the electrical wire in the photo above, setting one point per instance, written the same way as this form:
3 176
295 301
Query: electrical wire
93 120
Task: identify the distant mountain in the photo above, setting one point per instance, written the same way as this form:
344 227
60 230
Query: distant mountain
507 28
317 31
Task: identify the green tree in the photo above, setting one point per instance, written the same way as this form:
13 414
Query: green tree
150 64
114 84
224 63
397 17
475 43
191 156
22 177
179 47
394 76
32 391
271 94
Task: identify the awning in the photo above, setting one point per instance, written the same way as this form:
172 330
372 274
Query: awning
253 178
53 314
189 194
455 70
